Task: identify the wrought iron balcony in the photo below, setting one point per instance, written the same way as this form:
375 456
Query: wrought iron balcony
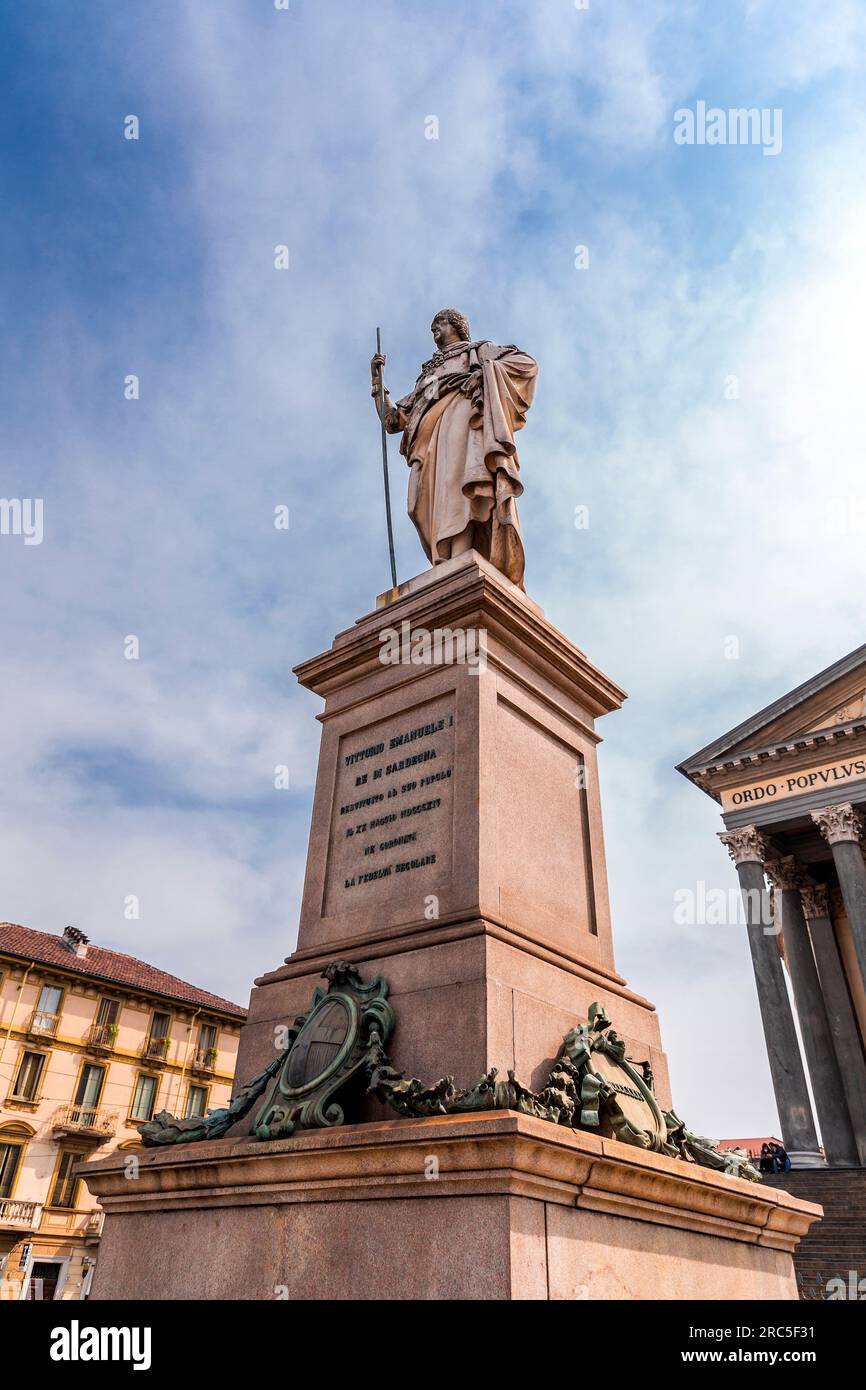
86 1121
100 1037
21 1216
42 1024
204 1060
155 1049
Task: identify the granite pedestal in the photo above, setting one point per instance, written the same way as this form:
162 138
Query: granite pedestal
494 1206
456 848
499 945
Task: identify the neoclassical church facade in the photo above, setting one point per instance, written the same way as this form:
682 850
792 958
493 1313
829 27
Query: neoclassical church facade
791 785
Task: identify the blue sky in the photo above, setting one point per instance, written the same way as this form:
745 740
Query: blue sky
710 516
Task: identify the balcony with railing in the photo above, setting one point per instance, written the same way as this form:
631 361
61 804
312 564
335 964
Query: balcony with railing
100 1037
19 1216
85 1121
155 1050
87 1225
42 1024
204 1061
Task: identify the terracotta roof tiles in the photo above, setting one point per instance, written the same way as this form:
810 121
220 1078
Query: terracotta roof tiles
113 967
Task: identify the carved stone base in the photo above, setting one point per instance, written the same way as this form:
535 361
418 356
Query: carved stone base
495 950
489 1206
468 997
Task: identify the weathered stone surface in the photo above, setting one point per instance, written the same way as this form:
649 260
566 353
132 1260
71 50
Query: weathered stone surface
494 951
497 1205
491 925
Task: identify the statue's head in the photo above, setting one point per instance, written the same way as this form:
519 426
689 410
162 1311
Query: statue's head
449 326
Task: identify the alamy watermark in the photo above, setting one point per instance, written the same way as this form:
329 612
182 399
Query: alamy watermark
739 125
723 907
22 516
77 1343
439 646
853 1288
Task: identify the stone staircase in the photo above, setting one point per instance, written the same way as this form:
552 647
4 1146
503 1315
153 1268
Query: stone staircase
834 1248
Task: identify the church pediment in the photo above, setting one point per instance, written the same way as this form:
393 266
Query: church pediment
849 711
840 704
827 708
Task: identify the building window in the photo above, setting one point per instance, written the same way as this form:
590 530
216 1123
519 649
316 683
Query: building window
158 1036
10 1162
65 1187
45 1280
28 1076
159 1026
196 1100
88 1092
103 1031
107 1011
144 1097
46 1015
206 1050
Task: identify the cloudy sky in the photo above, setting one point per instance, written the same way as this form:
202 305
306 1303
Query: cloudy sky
699 392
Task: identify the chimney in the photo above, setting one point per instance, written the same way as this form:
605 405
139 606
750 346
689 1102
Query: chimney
75 940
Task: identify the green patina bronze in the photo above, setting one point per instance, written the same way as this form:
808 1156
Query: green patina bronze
166 1128
327 1058
591 1085
324 1064
335 1055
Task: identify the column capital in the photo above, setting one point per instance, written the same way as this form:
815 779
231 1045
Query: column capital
816 901
745 846
839 823
786 873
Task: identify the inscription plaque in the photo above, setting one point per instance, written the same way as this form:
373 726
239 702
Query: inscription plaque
393 813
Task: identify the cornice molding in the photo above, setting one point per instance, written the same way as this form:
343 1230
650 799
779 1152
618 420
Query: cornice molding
500 1152
471 597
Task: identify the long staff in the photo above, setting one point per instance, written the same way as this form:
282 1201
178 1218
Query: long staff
385 463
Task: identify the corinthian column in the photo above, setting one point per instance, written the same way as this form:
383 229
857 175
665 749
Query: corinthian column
748 848
837 1001
830 1100
842 828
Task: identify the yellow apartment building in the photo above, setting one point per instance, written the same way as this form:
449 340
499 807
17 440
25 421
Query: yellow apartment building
92 1044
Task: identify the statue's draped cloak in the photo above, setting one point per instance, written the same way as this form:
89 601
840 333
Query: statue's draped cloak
458 424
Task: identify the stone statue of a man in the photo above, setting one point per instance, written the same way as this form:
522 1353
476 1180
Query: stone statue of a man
458 424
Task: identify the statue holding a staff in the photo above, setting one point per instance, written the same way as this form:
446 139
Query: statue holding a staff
458 424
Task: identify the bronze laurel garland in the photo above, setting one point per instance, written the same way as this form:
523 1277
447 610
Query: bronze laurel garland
313 1080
